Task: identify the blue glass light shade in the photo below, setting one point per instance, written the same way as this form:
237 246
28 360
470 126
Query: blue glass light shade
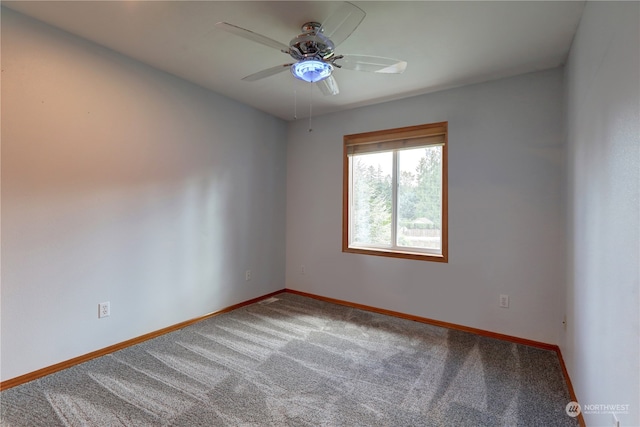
311 70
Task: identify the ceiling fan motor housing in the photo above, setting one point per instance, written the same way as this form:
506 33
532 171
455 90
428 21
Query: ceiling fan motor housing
311 44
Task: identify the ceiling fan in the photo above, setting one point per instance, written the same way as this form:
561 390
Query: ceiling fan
314 50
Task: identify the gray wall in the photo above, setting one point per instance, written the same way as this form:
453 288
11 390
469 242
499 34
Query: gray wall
121 183
602 348
506 209
124 184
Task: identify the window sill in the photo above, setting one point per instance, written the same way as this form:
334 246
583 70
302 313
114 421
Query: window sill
394 253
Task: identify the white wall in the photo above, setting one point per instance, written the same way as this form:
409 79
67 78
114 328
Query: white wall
506 209
601 348
121 183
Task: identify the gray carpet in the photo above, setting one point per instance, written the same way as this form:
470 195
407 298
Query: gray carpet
295 361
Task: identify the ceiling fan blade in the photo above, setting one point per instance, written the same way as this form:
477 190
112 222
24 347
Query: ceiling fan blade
328 86
372 64
250 35
266 73
341 23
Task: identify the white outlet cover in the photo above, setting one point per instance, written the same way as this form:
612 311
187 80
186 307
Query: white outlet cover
104 310
504 301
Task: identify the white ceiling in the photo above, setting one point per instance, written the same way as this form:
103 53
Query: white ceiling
446 44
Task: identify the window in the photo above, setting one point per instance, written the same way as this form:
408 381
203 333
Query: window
395 193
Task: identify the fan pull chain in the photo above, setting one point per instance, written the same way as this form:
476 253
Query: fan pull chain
295 105
310 106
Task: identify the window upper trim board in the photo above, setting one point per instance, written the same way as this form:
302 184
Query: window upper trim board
398 144
409 132
396 139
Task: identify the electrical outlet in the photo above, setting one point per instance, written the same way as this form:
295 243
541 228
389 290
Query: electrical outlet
247 275
504 301
303 270
104 309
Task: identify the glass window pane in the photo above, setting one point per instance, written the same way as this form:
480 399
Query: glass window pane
420 198
371 199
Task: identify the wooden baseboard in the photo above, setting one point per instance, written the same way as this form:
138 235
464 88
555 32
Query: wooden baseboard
572 393
448 325
426 320
22 379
